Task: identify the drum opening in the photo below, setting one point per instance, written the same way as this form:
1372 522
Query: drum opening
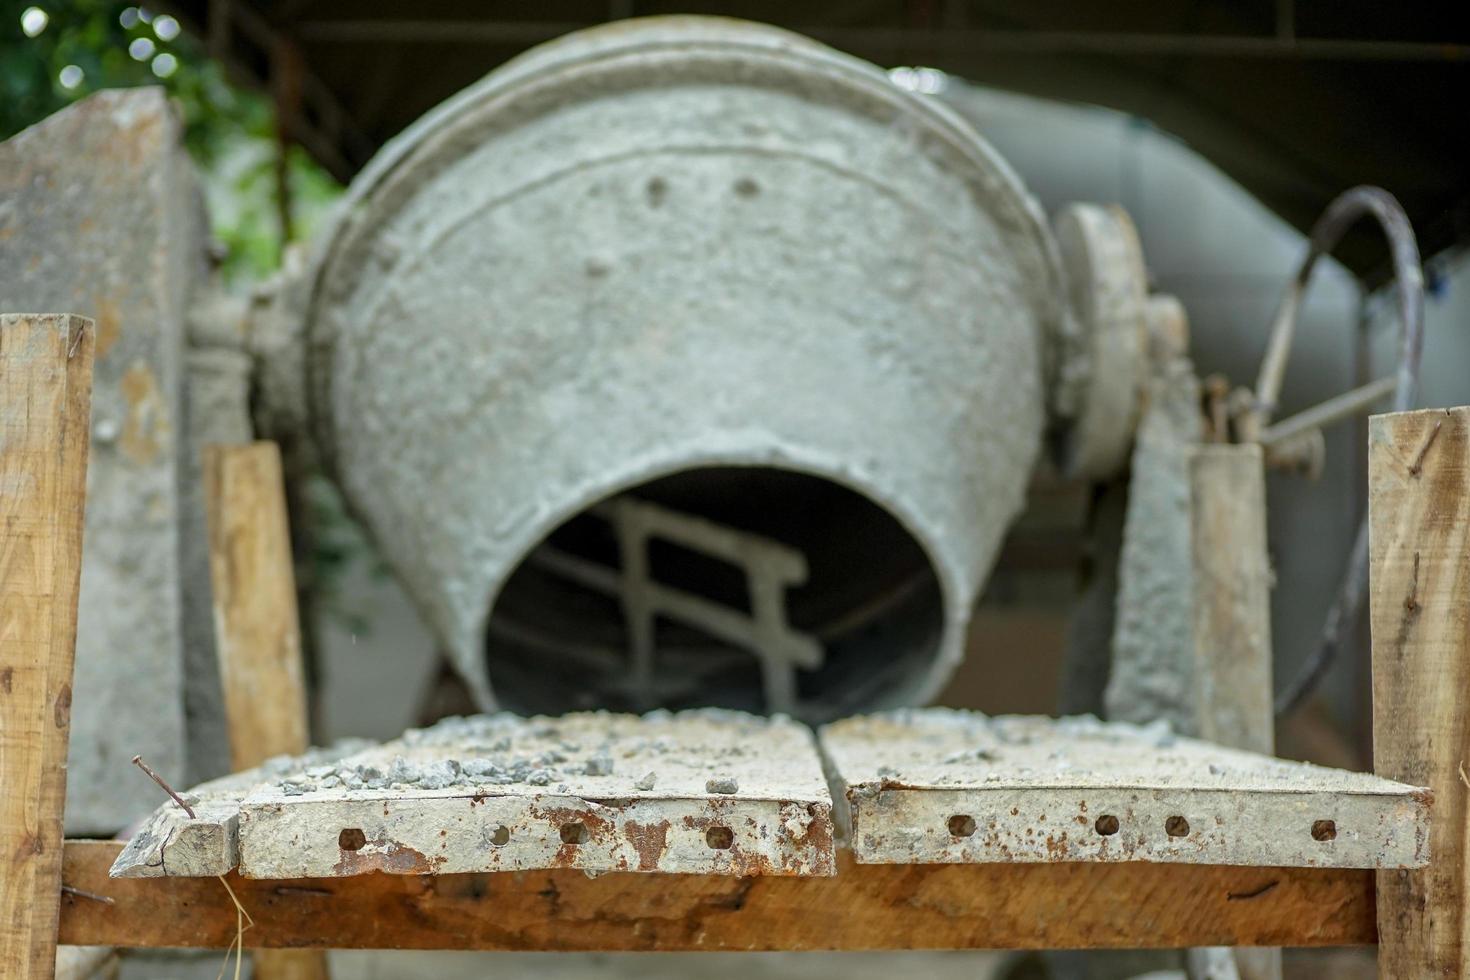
752 588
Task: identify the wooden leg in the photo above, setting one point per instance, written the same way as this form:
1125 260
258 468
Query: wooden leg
258 631
1419 522
45 404
1232 597
1232 618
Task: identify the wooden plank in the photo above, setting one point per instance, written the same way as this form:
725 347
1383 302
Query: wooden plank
171 844
256 625
257 633
695 792
1419 546
937 786
1232 597
864 907
1232 619
45 406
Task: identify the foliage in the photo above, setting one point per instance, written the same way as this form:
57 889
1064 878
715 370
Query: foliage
87 45
76 47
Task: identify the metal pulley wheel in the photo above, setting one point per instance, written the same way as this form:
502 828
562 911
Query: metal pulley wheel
1108 289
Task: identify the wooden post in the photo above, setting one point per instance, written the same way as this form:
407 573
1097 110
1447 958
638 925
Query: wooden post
1232 618
45 406
1419 547
1232 597
257 630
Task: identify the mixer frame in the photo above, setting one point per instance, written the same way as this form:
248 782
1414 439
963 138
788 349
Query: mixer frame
1420 516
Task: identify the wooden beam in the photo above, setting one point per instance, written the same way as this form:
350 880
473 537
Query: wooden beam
679 794
257 630
1419 548
864 907
1232 617
1232 597
937 786
45 407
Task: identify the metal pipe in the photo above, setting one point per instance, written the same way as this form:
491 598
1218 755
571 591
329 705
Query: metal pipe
1334 409
1409 276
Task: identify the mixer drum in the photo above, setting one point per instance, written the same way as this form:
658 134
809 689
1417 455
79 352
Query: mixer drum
686 361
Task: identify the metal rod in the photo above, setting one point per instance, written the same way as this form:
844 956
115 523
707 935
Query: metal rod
1334 409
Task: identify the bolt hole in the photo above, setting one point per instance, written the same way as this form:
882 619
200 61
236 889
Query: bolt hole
1324 830
501 836
719 838
1176 826
574 833
351 839
1107 825
961 825
657 190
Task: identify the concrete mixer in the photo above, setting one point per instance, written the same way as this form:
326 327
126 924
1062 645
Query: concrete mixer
682 361
686 361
